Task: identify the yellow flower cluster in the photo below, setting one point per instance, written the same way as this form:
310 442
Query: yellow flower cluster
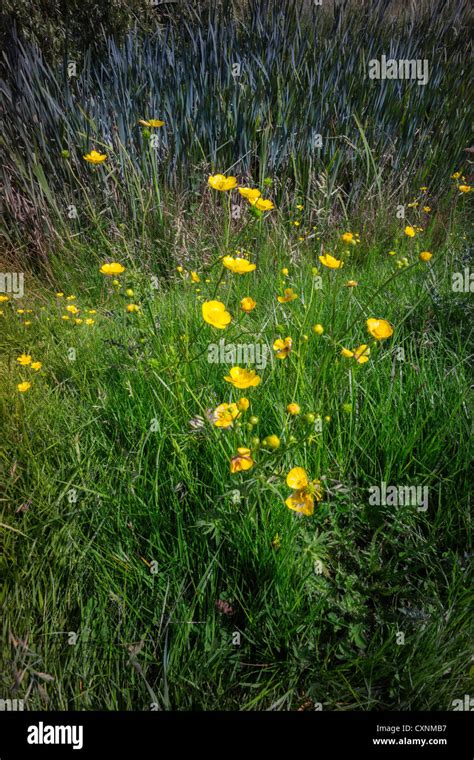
251 194
26 360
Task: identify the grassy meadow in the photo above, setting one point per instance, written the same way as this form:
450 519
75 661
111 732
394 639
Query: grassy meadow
180 536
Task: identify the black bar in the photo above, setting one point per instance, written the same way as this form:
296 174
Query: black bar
314 734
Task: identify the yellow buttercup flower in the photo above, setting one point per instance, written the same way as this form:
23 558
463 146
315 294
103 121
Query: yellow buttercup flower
425 255
285 271
351 283
293 409
427 209
242 461
289 295
409 231
247 304
242 378
78 321
238 265
151 123
23 387
24 359
379 328
350 238
221 182
36 366
361 354
456 175
262 204
224 415
132 307
70 298
251 193
318 329
215 314
330 261
60 295
72 309
90 322
297 478
243 404
464 188
195 277
305 492
94 157
3 299
113 268
282 347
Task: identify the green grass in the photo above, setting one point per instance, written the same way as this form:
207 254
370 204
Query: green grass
134 530
139 572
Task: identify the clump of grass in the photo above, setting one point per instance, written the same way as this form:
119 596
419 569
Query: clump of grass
140 571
